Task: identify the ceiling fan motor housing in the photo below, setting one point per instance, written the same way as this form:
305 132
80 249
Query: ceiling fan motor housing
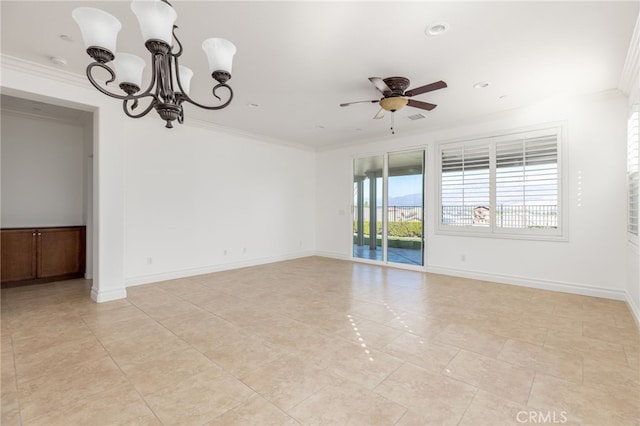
395 100
397 85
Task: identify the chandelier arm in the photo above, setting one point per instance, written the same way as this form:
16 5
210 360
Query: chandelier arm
95 84
175 37
215 107
125 107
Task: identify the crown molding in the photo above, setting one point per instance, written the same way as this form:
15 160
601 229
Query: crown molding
631 69
43 71
194 122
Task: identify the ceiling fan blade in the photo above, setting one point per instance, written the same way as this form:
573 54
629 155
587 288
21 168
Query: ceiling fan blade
427 88
360 102
380 114
380 85
421 105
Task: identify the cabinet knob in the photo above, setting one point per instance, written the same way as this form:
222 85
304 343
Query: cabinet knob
33 234
39 233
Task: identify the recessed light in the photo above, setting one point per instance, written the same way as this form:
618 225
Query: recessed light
502 96
437 28
253 105
481 85
56 60
65 37
320 126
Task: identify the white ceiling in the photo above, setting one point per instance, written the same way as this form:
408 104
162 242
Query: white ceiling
300 60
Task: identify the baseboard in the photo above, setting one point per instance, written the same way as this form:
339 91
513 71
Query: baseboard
183 273
332 255
560 286
635 310
107 296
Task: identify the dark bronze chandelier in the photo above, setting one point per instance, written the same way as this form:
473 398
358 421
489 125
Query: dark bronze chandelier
170 81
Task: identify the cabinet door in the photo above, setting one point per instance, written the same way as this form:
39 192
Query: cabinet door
61 252
18 254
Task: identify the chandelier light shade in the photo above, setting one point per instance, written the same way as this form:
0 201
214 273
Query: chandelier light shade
129 69
170 81
156 19
98 28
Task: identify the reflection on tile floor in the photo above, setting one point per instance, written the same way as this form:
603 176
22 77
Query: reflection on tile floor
394 254
317 341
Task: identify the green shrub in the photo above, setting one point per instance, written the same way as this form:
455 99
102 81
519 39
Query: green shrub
396 229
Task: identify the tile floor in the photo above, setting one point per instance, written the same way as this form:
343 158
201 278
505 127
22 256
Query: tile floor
317 341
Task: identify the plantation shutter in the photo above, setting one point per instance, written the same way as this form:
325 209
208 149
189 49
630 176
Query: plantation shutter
465 185
633 169
527 181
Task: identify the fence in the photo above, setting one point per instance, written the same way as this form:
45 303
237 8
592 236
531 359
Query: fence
507 216
398 213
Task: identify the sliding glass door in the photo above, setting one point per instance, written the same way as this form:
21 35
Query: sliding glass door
388 204
367 199
405 212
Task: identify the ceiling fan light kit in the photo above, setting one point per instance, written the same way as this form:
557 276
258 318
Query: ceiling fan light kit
170 82
395 95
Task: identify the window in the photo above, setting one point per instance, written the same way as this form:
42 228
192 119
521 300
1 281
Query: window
633 169
505 185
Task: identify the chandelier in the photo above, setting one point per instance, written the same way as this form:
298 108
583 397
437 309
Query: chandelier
170 81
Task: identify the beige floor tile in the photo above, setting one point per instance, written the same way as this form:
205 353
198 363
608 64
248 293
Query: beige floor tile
169 309
552 322
633 356
88 308
360 363
611 376
244 314
10 410
629 336
198 399
345 403
256 411
120 405
130 329
303 334
584 404
586 346
154 373
359 330
241 353
157 340
437 399
553 362
288 381
428 354
59 357
490 374
472 339
38 337
409 322
288 334
62 388
102 317
489 409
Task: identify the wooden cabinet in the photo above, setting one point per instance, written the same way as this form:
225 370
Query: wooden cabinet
37 255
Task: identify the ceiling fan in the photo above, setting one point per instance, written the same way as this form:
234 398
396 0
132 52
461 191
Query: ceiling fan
395 95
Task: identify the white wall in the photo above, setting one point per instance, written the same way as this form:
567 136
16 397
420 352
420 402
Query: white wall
42 172
193 193
590 262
